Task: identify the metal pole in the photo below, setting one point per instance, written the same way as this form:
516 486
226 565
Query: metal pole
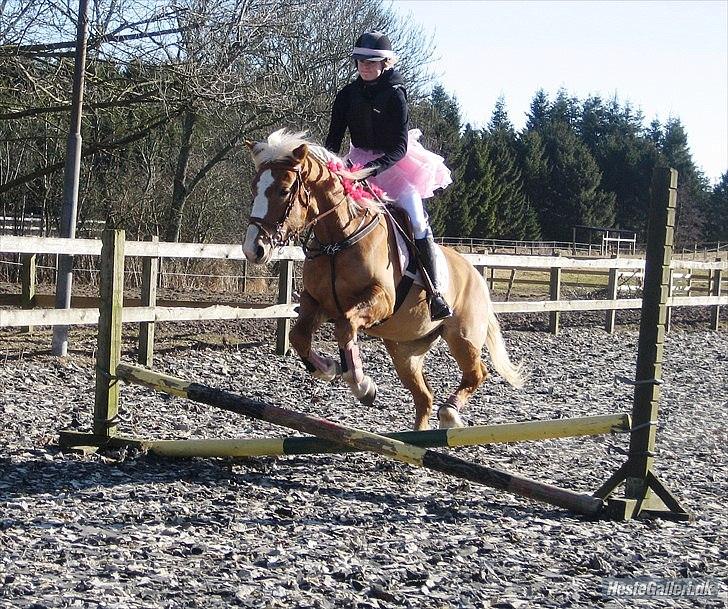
71 175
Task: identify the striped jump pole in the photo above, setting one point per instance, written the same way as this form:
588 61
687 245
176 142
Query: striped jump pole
395 449
476 435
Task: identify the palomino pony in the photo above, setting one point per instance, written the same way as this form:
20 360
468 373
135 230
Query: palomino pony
351 276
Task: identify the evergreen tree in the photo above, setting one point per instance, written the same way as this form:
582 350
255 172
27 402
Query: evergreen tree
625 156
692 187
716 212
572 194
539 111
627 164
534 167
565 109
499 120
438 117
515 217
463 203
654 133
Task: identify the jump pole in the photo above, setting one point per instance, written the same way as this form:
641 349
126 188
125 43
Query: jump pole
476 435
580 503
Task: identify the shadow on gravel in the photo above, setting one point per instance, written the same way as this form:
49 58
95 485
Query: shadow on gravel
147 480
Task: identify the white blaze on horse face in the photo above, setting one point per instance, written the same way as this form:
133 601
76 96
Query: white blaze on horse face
260 209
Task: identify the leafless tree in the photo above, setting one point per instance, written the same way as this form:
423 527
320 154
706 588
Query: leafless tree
192 77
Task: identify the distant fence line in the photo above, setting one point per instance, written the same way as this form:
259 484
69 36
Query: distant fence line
607 246
34 225
146 311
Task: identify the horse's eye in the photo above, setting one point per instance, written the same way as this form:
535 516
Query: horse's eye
284 191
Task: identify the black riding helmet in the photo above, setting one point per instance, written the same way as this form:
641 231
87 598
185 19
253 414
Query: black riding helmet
372 46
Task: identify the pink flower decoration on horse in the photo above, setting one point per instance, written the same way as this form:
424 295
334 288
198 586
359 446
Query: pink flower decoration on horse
354 189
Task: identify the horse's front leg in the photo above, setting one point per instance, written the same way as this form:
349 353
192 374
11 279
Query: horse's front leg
310 318
352 370
373 308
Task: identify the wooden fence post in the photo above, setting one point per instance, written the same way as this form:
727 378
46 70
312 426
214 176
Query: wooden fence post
715 311
150 273
28 282
555 294
108 352
285 292
610 318
670 292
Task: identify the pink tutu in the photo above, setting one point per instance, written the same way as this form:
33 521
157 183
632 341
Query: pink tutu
420 168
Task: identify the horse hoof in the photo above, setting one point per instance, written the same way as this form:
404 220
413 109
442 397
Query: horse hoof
449 418
370 395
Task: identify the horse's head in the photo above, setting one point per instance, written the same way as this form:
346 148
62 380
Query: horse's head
281 198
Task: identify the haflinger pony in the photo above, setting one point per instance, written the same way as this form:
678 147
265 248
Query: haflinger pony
351 276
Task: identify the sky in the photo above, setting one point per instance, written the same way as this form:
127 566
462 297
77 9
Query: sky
665 58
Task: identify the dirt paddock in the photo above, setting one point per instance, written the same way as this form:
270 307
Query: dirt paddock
122 529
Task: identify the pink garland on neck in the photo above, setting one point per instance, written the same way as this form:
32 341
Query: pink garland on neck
355 190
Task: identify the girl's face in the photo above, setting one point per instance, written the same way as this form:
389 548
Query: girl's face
369 70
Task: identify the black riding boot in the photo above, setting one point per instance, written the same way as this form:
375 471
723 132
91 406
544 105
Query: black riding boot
439 308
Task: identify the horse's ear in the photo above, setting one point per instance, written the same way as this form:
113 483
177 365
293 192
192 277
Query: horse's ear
300 153
250 144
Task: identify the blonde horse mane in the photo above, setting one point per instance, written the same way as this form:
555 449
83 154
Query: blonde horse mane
280 145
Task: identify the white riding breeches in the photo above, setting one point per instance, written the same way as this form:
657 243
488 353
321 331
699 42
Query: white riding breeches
411 201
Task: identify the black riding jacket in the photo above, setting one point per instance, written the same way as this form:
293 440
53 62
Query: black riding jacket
376 115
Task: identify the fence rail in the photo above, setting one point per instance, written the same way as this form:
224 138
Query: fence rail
284 310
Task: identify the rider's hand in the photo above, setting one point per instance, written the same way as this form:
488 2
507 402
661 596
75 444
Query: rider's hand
372 165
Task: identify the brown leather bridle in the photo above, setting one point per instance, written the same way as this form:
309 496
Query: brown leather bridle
275 232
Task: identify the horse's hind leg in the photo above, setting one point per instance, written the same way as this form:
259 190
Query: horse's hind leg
310 318
408 359
466 350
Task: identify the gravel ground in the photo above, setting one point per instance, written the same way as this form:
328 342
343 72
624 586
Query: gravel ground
128 530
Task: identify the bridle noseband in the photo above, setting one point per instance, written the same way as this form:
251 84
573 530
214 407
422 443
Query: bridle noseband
274 232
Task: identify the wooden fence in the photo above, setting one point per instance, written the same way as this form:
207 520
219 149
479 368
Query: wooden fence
147 310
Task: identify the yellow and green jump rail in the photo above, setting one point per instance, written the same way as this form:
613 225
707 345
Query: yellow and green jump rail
363 440
476 435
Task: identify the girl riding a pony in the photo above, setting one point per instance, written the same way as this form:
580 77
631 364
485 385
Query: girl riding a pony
374 110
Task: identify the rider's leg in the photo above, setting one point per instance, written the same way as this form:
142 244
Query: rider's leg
411 202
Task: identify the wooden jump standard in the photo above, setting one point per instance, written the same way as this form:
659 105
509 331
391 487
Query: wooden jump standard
363 440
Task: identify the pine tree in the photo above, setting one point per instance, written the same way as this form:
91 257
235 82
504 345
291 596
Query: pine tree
716 211
534 167
625 155
438 117
499 120
515 217
572 194
692 187
466 209
538 115
565 109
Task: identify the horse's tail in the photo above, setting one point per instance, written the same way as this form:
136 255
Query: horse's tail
514 374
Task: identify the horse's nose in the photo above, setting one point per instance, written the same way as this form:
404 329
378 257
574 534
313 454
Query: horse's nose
259 252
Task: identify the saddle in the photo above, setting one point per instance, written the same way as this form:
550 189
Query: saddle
409 259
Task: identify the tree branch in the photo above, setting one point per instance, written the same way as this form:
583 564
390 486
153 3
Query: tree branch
87 151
